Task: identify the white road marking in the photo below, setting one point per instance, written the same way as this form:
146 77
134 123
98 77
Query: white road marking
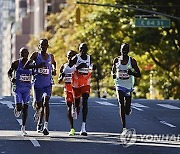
168 124
93 137
137 108
2 97
8 103
34 142
19 121
139 105
105 103
104 98
62 103
169 106
56 97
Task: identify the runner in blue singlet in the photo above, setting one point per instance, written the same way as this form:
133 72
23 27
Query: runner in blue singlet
21 81
45 67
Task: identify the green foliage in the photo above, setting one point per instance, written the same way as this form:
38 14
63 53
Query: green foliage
105 28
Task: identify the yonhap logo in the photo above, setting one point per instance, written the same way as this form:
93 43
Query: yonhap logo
128 138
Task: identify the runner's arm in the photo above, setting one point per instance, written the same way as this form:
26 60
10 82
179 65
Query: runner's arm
136 71
113 70
28 64
13 67
92 65
53 65
61 74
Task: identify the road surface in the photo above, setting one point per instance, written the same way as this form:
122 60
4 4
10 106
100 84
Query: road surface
154 128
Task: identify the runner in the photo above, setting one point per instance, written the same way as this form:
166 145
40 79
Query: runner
124 70
81 83
66 71
21 81
45 67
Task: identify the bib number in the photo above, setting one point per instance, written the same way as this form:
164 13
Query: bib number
68 77
43 71
25 78
83 70
123 74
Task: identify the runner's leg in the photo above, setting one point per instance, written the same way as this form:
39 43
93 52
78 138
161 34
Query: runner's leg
128 104
122 107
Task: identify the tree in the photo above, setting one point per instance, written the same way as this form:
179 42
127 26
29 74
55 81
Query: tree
105 28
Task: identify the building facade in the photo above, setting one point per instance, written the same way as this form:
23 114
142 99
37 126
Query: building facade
18 20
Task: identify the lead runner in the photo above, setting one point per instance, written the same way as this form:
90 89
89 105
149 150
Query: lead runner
124 70
45 67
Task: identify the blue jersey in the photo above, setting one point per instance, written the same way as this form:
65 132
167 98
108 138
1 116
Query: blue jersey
43 75
23 76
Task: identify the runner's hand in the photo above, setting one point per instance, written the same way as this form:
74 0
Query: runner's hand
54 72
13 80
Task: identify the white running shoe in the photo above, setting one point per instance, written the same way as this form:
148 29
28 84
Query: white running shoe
125 130
16 112
83 129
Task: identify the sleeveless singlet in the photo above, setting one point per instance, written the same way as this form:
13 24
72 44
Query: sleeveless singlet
123 79
43 75
23 76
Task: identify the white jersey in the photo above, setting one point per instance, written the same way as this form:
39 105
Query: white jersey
84 70
68 72
123 79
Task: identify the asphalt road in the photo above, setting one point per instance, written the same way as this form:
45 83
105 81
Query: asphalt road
154 128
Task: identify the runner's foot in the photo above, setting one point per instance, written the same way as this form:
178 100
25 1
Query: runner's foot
45 131
72 132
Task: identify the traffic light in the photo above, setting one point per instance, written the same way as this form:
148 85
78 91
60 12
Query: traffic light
78 16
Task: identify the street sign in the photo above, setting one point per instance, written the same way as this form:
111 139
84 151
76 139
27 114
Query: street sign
146 22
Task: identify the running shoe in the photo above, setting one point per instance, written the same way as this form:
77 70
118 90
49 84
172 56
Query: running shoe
125 130
45 131
39 128
16 112
72 132
83 133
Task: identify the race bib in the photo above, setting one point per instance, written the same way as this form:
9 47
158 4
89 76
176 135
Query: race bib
68 77
123 74
83 70
43 71
25 78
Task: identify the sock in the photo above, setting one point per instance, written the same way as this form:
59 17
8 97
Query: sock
83 127
46 125
22 128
